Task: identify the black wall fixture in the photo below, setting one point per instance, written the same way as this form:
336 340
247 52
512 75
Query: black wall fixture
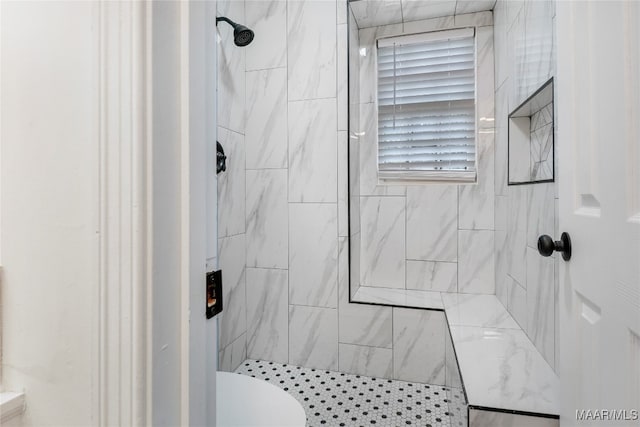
221 159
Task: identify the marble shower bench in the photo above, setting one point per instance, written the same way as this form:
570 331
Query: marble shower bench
506 381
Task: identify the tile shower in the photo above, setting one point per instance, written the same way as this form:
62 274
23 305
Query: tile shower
285 248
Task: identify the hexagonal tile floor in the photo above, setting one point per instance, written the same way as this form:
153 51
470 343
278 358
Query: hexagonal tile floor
338 399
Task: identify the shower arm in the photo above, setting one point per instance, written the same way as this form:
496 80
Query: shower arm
225 19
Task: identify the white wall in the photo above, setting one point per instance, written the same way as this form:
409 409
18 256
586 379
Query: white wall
105 207
50 209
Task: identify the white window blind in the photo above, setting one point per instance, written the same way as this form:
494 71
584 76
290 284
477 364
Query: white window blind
426 106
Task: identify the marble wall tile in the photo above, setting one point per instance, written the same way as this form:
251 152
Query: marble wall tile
516 233
540 212
231 185
267 218
267 314
313 254
419 345
476 201
470 6
231 68
374 13
313 151
342 60
313 337
343 183
426 207
354 266
266 127
481 418
500 252
501 140
232 322
311 53
415 10
426 25
230 357
540 303
539 35
476 265
369 361
476 19
361 324
517 303
516 56
383 241
268 19
500 26
432 276
485 79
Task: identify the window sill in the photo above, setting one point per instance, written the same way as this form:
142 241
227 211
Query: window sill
12 404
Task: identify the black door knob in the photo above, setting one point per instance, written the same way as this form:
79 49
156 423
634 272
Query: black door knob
546 246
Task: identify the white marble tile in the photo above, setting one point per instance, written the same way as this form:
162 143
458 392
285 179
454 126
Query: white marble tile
502 369
313 337
311 52
516 56
267 314
540 303
230 357
267 218
266 127
500 253
419 345
399 297
368 150
361 324
232 322
313 150
519 150
476 203
517 302
470 6
231 68
538 62
382 256
501 213
432 276
268 20
373 13
368 59
477 310
485 88
354 265
342 8
482 418
426 25
516 233
362 360
476 265
452 373
500 26
476 19
415 10
343 183
342 61
313 254
428 205
231 185
501 140
540 212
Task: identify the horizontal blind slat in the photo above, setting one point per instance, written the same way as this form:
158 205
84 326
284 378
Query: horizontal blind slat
426 105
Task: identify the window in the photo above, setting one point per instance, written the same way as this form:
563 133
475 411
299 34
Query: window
426 106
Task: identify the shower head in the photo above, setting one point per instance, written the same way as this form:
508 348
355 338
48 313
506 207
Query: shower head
242 35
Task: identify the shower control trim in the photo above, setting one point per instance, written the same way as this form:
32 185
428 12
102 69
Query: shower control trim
546 246
214 293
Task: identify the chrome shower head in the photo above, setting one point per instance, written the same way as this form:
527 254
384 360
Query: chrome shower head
242 35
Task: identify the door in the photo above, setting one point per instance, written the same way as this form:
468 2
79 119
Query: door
598 100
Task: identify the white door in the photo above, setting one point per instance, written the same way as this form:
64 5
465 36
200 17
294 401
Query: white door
598 98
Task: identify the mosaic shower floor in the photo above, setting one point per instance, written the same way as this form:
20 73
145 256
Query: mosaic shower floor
338 399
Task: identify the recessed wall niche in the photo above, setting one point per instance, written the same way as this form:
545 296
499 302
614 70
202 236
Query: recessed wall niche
531 142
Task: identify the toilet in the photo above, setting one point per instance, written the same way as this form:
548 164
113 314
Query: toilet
245 401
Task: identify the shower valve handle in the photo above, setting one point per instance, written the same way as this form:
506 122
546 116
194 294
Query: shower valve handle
546 246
